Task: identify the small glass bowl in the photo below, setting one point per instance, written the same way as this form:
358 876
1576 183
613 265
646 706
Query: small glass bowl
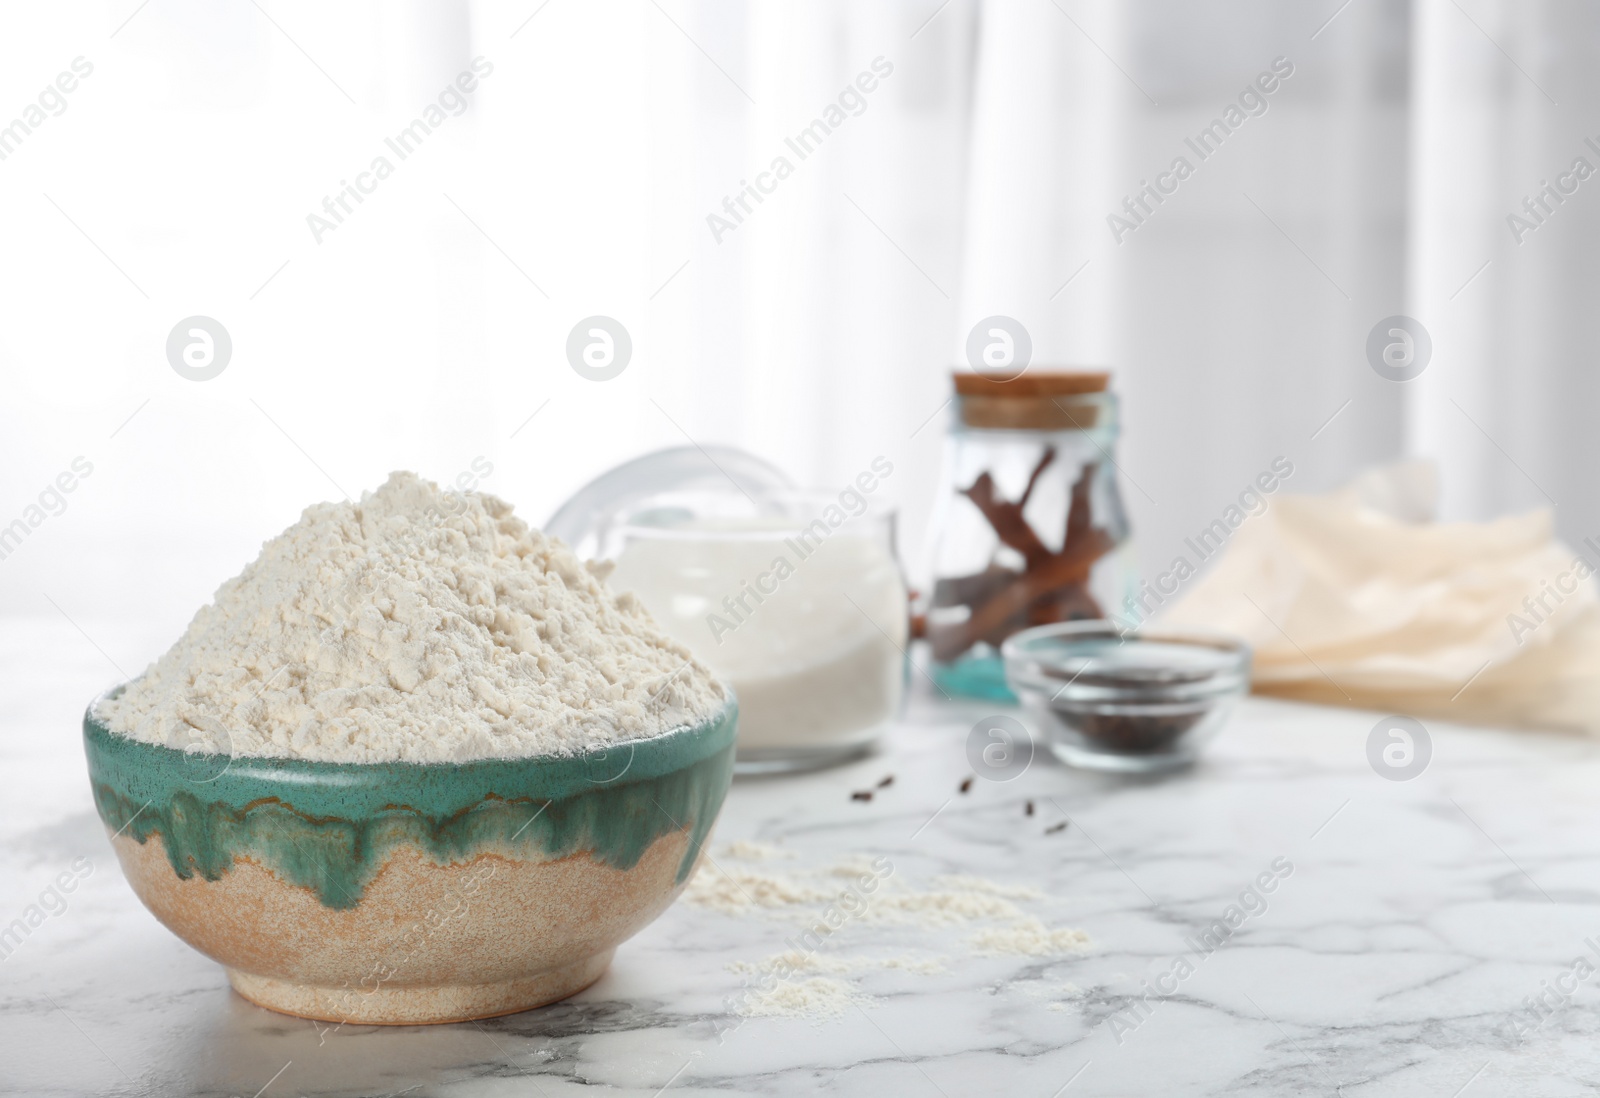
1133 702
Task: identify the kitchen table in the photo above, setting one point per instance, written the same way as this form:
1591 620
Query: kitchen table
1431 936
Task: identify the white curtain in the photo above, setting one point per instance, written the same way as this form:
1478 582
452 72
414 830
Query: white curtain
979 183
1502 98
1376 183
974 178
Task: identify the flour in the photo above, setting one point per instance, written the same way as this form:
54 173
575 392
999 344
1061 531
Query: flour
943 907
848 965
818 661
1030 938
819 998
755 852
418 626
963 883
735 891
811 979
1056 995
956 901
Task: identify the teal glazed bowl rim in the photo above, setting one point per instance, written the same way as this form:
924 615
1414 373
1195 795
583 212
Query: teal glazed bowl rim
612 802
323 788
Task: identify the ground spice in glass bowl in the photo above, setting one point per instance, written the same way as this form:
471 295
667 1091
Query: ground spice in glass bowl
1136 701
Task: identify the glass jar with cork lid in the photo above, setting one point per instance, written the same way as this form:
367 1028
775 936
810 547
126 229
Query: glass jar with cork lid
1029 526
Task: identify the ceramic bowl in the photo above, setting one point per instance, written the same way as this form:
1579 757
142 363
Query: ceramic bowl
405 893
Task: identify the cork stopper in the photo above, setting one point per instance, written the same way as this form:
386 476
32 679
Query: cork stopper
1032 384
1038 400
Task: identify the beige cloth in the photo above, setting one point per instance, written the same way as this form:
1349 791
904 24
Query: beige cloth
1359 598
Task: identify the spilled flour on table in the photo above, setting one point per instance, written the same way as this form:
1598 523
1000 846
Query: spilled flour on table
845 965
820 998
804 980
1055 996
785 988
993 888
1030 938
735 891
749 851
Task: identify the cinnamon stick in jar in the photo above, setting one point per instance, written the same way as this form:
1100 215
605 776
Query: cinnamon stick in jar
1032 575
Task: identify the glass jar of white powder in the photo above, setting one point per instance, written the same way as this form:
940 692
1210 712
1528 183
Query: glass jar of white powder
794 598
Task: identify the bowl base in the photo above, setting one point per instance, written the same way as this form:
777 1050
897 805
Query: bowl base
416 1006
1113 763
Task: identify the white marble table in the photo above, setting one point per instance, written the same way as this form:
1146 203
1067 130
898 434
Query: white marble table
1417 918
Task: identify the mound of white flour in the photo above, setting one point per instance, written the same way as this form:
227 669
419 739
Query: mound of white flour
419 626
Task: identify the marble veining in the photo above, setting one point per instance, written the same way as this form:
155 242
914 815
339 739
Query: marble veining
1419 919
